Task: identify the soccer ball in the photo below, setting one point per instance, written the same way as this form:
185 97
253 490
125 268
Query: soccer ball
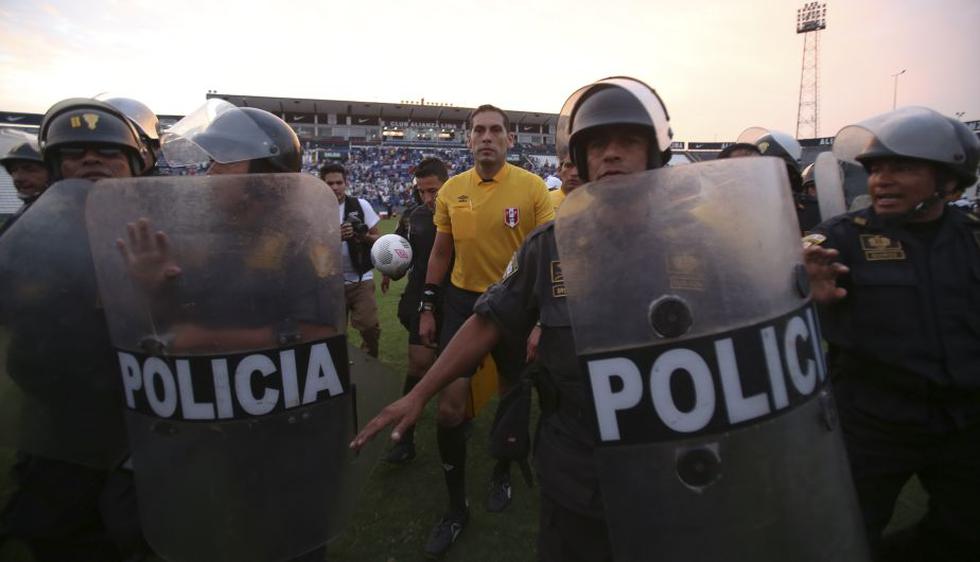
392 255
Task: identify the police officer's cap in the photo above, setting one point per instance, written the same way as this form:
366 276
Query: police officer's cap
83 121
917 133
614 101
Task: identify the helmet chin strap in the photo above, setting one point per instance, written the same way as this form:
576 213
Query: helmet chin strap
923 207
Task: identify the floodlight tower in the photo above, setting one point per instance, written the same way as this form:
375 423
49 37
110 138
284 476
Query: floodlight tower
810 19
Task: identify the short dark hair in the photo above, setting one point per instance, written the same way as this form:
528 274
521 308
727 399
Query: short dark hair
728 150
485 108
432 167
333 168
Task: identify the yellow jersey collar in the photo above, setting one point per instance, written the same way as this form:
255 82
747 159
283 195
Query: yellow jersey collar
500 176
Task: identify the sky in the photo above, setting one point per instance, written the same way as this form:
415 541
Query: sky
720 66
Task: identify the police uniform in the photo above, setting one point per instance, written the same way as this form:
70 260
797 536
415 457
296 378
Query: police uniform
905 360
60 347
572 525
488 220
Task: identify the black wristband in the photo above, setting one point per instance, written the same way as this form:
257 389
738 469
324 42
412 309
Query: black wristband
430 293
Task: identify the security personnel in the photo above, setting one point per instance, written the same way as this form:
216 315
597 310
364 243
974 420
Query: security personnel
482 215
146 123
24 164
270 147
64 510
617 126
783 145
900 285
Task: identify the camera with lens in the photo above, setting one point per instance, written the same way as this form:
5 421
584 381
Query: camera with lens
360 229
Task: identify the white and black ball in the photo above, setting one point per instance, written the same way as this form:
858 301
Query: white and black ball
392 255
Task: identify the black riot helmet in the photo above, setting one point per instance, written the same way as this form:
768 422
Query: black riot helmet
916 133
224 133
84 121
143 118
774 143
614 101
780 145
21 150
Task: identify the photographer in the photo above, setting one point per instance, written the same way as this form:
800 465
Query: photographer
358 231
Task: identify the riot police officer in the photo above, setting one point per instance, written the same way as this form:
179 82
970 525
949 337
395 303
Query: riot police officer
901 285
268 279
74 499
146 123
783 145
233 140
618 126
26 167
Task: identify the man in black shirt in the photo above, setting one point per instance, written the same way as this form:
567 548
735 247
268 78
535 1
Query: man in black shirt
420 231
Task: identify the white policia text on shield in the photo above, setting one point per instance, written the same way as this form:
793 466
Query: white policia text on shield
717 436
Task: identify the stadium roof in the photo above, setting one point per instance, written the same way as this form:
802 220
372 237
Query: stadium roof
388 111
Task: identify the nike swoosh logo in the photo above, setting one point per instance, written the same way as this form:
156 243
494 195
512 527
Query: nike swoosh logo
362 120
14 118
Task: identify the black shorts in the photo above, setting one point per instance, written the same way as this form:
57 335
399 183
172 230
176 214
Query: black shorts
457 307
411 323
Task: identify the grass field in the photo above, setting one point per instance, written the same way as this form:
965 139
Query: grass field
400 504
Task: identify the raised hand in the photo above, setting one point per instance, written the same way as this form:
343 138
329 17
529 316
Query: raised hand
823 271
148 256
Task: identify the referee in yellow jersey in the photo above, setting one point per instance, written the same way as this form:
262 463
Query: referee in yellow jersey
482 216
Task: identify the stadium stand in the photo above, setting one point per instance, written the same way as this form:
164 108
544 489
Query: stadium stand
381 142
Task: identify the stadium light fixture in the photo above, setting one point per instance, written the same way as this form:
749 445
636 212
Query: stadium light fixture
895 90
811 17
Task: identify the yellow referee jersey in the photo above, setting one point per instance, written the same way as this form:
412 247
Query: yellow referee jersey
557 196
489 220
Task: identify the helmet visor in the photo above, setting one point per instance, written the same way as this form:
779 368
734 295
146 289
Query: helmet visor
651 102
12 138
757 135
216 131
910 132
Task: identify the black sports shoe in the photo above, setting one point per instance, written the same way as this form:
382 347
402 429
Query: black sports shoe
401 453
445 533
499 494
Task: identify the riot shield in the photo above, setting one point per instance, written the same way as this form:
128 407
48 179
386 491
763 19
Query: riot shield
717 435
58 398
829 179
225 302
